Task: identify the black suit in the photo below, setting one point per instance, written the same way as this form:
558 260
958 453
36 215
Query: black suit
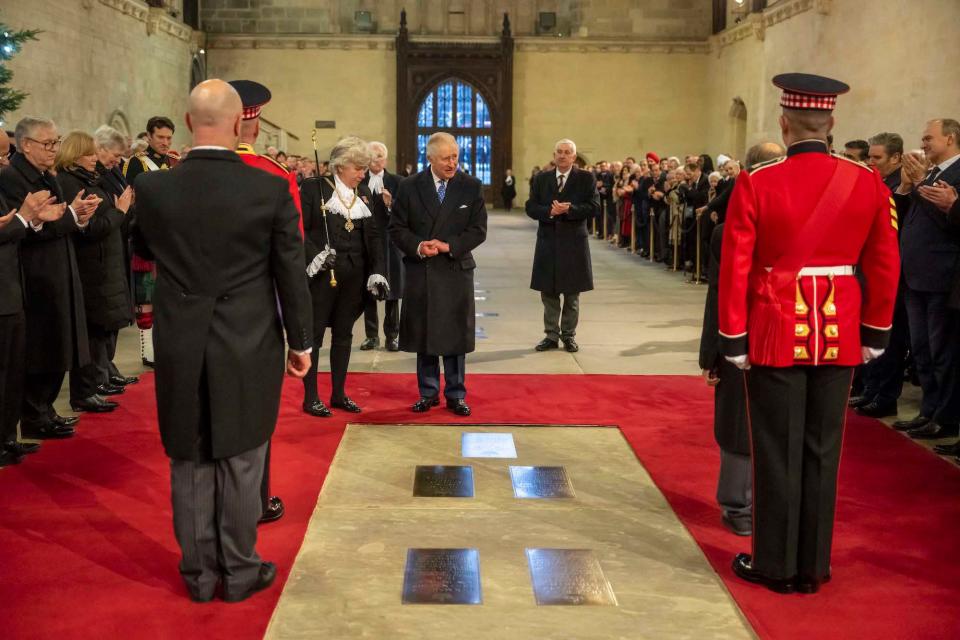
696 195
930 248
438 317
393 261
227 244
55 315
561 260
12 326
359 255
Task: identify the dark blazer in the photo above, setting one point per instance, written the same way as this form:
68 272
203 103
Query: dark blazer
561 260
730 403
366 254
100 257
56 321
393 259
227 244
11 278
720 201
954 218
929 244
438 312
696 195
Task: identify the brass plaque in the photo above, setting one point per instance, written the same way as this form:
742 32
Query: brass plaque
488 445
443 482
541 482
568 577
442 576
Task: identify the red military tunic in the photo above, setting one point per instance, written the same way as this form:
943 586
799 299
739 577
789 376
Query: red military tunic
252 158
824 319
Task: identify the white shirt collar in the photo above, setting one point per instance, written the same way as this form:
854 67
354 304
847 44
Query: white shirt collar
565 175
437 180
946 164
210 147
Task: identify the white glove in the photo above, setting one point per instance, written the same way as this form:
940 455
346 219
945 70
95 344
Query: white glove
741 362
378 286
318 263
869 354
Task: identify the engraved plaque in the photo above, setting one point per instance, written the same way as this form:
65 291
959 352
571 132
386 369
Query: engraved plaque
442 576
568 577
488 445
540 482
443 482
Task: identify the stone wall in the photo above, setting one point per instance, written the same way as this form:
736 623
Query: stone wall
101 61
645 19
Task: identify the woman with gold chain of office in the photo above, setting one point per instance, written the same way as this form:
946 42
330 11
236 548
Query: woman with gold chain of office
344 256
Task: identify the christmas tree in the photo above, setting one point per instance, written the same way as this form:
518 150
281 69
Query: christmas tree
10 43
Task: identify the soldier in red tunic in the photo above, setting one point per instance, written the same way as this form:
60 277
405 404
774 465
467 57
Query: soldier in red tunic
796 320
254 96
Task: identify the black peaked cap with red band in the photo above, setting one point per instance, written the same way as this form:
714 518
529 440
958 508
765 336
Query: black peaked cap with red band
254 96
808 91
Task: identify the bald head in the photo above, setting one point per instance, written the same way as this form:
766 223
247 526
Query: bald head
763 152
4 148
805 124
215 114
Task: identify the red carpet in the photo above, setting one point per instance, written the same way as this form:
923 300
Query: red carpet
88 547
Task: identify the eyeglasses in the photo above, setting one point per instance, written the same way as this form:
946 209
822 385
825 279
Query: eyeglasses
47 146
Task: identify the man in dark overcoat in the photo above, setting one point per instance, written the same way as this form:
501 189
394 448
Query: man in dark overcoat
230 280
439 218
562 200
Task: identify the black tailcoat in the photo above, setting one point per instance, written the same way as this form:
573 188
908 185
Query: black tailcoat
227 244
438 312
393 259
561 261
56 320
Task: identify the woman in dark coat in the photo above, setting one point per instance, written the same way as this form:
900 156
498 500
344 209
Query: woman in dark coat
103 273
508 191
341 241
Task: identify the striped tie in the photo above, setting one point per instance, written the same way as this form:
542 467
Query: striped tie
442 190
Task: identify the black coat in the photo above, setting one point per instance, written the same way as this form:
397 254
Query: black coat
100 256
227 244
561 260
929 244
393 259
56 320
954 218
438 316
11 278
508 189
730 402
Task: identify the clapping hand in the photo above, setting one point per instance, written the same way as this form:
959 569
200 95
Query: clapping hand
85 207
940 194
914 169
4 220
124 200
387 198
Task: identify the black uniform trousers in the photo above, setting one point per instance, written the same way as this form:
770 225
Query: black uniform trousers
338 308
796 417
883 377
371 318
13 352
84 380
934 328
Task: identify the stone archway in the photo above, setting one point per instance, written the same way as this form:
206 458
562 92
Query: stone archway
738 128
119 121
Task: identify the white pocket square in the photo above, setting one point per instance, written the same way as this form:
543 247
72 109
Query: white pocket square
463 206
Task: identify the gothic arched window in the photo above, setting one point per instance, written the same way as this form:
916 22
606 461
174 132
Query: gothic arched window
456 107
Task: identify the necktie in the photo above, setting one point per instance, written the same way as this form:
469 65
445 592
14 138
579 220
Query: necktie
932 176
442 190
560 182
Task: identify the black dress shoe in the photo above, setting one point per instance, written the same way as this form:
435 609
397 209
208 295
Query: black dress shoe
933 431
317 409
346 404
738 525
458 406
808 584
67 421
147 363
268 573
393 345
93 404
948 449
48 431
744 569
369 343
9 457
570 345
546 344
109 390
857 401
24 448
423 404
122 381
907 425
273 512
874 409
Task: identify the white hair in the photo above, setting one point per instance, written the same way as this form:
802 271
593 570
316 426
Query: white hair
573 145
106 137
27 128
350 150
715 174
376 146
137 146
437 139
